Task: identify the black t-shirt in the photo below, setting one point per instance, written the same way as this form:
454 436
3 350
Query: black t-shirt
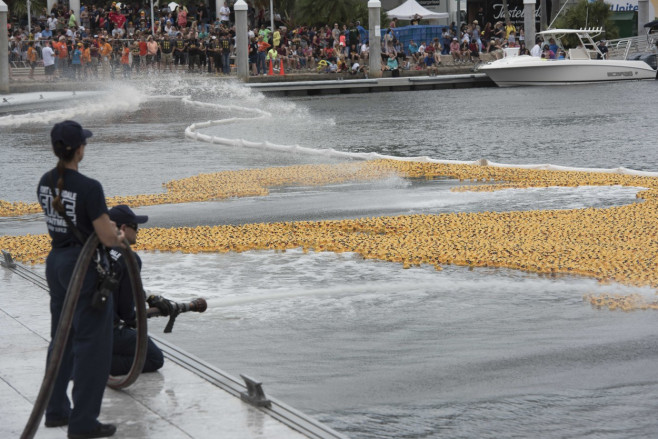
604 50
193 49
202 14
83 200
166 46
225 44
354 36
124 305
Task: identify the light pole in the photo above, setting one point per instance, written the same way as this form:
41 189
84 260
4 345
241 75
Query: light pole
29 18
642 15
272 15
4 49
152 20
374 39
241 39
529 22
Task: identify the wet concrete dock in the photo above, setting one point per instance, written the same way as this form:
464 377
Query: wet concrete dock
185 399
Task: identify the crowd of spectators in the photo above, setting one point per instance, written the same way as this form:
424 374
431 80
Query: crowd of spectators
120 40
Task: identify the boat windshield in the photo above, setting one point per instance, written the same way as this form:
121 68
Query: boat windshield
586 48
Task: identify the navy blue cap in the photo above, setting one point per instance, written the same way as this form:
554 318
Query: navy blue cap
70 133
122 214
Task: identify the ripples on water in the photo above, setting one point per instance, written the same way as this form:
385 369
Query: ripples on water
373 350
574 414
380 352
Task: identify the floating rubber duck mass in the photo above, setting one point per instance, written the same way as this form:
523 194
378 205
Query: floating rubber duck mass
617 244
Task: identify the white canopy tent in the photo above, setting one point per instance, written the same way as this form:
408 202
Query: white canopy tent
411 9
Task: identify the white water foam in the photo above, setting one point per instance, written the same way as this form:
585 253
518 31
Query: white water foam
119 99
16 99
258 279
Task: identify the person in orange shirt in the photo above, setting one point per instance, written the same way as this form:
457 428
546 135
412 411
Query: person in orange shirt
86 60
125 60
106 53
63 58
32 58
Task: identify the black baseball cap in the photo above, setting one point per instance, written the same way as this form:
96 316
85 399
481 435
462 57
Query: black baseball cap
69 133
122 214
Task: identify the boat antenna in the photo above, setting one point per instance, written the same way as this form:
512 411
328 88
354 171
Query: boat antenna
557 15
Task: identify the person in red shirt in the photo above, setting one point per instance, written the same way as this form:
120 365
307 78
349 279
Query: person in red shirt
283 55
329 53
143 51
95 53
430 49
117 18
262 54
474 49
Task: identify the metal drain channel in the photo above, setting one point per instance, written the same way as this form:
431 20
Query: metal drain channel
278 410
8 262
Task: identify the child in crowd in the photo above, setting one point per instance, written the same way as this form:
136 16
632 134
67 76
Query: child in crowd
430 63
76 61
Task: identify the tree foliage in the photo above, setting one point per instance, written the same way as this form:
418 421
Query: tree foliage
18 8
317 13
585 14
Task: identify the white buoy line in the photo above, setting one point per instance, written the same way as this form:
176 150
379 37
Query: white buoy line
192 133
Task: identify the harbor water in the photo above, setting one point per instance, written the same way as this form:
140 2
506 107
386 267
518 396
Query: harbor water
367 347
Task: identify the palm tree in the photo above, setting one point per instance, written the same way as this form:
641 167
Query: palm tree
314 12
18 8
283 7
543 22
586 14
555 8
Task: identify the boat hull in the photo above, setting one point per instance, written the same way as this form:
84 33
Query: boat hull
527 70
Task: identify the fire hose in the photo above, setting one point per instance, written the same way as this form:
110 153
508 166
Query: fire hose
64 328
197 305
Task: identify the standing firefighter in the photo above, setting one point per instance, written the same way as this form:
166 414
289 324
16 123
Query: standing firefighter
74 208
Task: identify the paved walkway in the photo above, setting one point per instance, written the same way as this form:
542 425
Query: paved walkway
169 404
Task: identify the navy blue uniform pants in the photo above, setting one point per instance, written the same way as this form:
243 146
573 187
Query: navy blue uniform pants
123 352
88 352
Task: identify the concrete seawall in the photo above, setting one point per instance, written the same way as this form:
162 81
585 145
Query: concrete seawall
299 83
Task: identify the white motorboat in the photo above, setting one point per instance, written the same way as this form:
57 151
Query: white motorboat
581 64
